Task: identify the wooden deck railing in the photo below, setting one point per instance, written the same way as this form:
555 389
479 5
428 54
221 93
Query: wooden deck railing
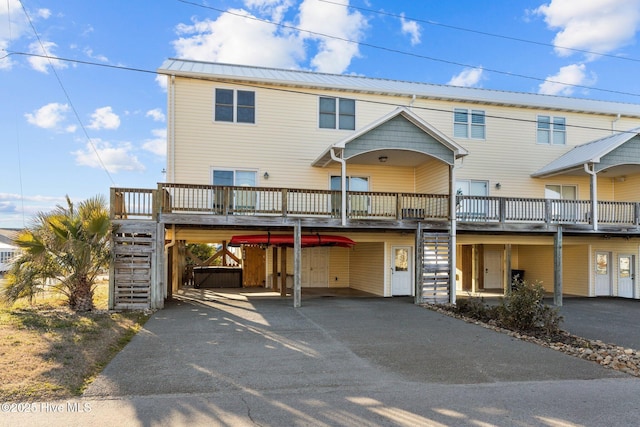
131 203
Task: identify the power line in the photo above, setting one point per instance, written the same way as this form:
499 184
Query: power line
302 92
406 53
484 33
66 94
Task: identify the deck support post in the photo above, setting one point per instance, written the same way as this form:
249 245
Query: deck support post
274 268
419 254
507 258
297 264
283 271
557 268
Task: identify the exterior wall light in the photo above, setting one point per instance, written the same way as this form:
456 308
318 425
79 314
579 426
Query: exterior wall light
383 159
266 175
498 186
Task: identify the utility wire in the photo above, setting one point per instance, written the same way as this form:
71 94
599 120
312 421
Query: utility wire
406 53
302 92
66 94
484 33
17 130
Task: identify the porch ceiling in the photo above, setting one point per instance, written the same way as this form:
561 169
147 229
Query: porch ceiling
391 157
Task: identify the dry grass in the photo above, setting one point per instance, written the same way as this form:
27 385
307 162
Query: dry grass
49 352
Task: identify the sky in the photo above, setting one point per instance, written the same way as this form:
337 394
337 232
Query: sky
82 110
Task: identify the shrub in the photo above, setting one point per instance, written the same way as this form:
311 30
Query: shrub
523 309
475 308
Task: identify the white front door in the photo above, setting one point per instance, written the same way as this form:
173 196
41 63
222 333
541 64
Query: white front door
603 274
314 268
493 273
626 275
401 270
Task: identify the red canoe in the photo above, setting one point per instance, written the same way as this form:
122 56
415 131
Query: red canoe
307 240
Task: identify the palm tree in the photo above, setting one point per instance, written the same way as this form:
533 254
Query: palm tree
69 246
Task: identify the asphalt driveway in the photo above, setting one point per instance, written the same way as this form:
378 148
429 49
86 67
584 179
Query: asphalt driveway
235 361
611 320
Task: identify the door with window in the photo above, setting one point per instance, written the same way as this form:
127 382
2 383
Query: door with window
238 200
626 275
474 207
603 274
357 204
401 271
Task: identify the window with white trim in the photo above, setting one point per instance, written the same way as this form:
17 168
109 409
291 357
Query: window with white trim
468 123
235 106
551 130
337 113
561 192
240 200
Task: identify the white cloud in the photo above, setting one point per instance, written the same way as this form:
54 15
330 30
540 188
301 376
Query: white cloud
468 77
157 145
334 54
237 37
411 28
595 25
89 52
104 118
40 63
44 13
239 40
561 83
114 158
156 114
275 9
162 81
49 116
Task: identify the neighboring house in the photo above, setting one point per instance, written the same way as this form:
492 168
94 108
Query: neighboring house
8 249
443 189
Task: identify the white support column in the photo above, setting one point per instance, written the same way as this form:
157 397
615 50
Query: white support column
297 265
453 232
594 195
343 185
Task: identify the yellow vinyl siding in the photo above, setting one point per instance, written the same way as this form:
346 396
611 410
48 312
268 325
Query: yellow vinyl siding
575 274
366 262
508 154
537 262
339 272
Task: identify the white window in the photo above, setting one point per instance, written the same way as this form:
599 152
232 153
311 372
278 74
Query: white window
561 192
337 113
242 200
468 123
236 106
475 207
357 204
551 130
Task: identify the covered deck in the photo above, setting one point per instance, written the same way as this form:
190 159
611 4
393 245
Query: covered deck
189 204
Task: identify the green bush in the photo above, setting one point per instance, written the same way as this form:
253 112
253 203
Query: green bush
523 309
475 308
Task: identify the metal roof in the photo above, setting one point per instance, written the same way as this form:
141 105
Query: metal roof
590 152
353 83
